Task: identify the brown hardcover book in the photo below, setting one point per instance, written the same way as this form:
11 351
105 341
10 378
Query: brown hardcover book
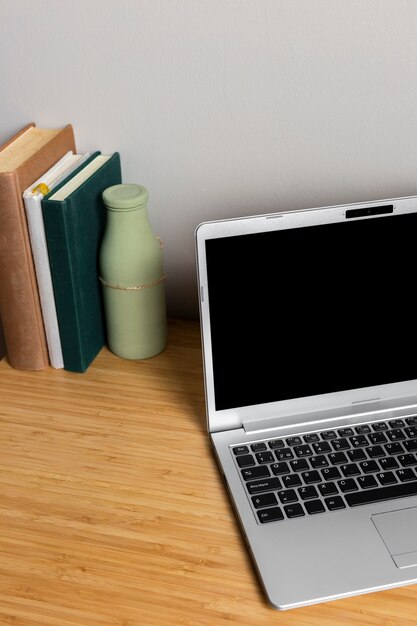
23 159
2 343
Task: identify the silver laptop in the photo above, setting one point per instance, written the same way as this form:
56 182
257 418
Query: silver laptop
309 331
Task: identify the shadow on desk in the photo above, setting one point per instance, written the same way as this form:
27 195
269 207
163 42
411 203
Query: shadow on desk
184 359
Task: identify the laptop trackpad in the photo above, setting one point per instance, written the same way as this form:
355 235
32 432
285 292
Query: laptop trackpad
398 532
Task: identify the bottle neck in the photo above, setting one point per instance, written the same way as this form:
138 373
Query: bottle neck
136 218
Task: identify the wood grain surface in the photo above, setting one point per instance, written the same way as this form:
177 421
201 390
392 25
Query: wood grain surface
112 511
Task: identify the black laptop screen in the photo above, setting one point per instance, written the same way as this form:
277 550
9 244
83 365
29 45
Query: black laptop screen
313 310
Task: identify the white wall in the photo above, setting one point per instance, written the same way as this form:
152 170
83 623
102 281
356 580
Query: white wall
222 107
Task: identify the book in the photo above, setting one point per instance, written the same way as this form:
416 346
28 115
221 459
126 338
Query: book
32 199
2 343
23 158
74 218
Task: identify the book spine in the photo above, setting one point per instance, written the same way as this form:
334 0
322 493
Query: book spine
64 287
20 310
43 275
2 342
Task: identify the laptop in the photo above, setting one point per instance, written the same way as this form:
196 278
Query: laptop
309 334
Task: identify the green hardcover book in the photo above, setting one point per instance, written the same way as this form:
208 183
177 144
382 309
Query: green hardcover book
74 218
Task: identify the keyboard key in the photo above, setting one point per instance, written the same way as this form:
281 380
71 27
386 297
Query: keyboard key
411 421
347 485
406 459
265 457
307 493
411 432
350 470
294 441
270 515
245 460
328 434
368 467
334 503
367 482
302 451
380 426
394 448
410 446
299 465
396 423
292 480
388 463
346 432
318 461
268 499
258 447
311 438
314 506
287 495
340 444
261 471
269 484
276 443
279 468
284 454
328 489
331 473
375 438
375 452
294 510
383 493
337 458
358 441
395 435
404 475
241 450
386 478
322 447
357 455
364 429
311 477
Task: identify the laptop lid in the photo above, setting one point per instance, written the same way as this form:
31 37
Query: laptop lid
308 311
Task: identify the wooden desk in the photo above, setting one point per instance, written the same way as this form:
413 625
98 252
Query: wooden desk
112 512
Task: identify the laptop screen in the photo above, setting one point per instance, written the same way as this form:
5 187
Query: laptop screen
312 310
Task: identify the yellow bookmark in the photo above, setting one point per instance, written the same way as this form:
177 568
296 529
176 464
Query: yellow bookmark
41 188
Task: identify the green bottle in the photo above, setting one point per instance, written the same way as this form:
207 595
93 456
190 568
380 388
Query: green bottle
132 275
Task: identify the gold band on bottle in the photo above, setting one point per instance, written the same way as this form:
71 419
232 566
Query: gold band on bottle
136 287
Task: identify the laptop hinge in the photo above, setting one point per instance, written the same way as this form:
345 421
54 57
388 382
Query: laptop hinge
327 418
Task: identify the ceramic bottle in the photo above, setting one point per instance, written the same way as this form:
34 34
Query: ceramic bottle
132 275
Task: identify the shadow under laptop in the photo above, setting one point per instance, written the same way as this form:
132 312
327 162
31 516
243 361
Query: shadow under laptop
182 359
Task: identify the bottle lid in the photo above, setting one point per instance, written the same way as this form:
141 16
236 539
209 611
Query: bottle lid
125 197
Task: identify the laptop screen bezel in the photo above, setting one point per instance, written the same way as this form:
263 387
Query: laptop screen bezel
220 420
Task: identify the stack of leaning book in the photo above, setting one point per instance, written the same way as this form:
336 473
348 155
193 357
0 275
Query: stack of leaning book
52 222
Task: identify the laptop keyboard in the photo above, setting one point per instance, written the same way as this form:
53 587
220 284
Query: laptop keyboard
329 470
